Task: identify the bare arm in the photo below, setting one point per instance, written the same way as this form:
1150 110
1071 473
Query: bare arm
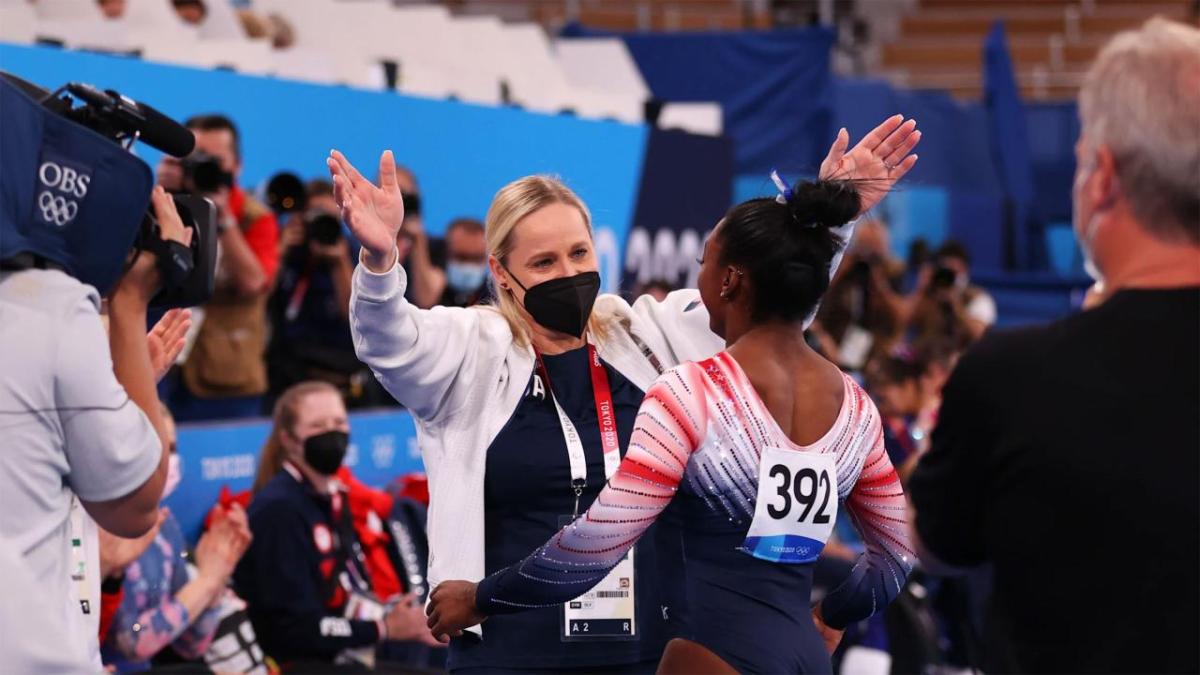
135 513
132 514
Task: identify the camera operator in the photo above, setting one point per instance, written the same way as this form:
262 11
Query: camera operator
83 433
945 305
225 373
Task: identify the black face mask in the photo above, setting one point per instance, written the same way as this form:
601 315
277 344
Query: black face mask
563 304
325 452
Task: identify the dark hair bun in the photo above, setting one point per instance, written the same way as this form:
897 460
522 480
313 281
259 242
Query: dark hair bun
786 249
824 203
800 278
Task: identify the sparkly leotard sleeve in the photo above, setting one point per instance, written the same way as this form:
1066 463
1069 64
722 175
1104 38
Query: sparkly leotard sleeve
702 428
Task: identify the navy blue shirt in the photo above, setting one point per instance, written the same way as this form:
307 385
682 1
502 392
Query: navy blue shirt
527 488
284 575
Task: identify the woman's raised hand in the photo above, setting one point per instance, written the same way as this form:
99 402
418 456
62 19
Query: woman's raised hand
374 213
880 159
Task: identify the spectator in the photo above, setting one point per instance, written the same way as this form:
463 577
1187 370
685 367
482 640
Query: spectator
310 597
225 374
191 12
861 316
945 306
1067 456
269 26
655 288
904 386
462 280
162 604
112 9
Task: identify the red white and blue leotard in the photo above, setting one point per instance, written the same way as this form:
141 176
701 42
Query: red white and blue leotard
693 466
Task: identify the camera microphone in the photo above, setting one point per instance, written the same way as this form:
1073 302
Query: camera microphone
166 134
154 128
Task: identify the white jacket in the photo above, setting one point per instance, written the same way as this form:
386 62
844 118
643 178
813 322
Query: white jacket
462 376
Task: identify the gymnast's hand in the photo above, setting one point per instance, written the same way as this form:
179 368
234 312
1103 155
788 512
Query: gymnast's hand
879 160
452 609
374 213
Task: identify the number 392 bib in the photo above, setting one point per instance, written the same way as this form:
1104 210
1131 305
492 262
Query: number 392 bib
796 506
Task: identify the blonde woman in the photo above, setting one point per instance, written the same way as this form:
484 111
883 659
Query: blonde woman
524 408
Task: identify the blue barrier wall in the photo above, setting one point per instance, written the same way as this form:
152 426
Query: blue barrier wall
461 153
383 445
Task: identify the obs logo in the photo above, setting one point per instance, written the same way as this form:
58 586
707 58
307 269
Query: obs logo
670 255
63 187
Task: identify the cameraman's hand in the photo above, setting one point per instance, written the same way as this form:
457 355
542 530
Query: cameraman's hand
141 282
374 213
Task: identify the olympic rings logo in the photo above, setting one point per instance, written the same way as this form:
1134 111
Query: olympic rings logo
57 210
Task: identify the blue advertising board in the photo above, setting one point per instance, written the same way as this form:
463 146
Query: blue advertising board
383 445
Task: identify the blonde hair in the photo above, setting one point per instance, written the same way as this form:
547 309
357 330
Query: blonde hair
284 418
511 204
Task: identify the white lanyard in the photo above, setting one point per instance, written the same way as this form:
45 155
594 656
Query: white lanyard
606 416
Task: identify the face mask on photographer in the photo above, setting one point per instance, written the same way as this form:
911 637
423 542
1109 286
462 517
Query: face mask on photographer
465 277
325 452
563 304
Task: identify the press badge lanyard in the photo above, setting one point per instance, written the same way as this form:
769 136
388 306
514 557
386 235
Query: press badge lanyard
606 416
79 555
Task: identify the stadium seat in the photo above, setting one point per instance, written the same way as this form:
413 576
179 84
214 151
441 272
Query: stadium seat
18 22
697 118
601 63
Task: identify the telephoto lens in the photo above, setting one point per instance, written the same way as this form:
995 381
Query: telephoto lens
203 173
323 229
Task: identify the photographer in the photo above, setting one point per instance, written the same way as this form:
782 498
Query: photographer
82 429
309 310
862 314
945 306
225 374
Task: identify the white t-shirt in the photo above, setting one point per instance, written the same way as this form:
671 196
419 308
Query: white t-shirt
68 429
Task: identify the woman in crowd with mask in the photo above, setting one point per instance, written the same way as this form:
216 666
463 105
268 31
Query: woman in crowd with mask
304 580
162 604
524 409
746 455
